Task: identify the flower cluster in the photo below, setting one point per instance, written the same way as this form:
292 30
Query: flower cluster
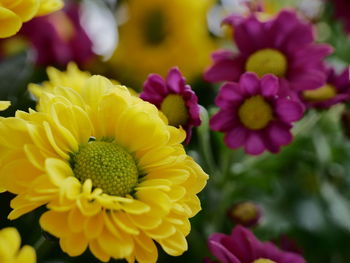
111 172
283 63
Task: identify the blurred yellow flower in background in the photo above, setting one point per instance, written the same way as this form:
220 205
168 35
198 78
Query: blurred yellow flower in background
15 12
113 175
10 251
161 34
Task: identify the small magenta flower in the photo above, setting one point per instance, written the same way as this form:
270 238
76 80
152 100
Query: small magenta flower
174 98
283 46
335 90
245 213
252 114
243 247
59 38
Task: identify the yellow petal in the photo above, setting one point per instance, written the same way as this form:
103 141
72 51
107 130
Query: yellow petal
145 249
174 245
74 244
145 221
4 104
26 255
159 201
98 252
12 240
88 207
49 6
93 226
26 9
57 170
162 231
10 23
117 248
135 207
122 221
55 223
76 220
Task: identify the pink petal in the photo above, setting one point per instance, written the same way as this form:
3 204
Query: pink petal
249 83
236 137
222 253
175 81
225 69
269 85
288 110
279 134
222 121
229 92
254 144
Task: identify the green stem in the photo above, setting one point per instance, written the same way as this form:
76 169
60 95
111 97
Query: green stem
204 142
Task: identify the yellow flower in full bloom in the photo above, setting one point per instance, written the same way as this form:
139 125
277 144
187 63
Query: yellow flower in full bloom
15 12
10 251
112 174
161 34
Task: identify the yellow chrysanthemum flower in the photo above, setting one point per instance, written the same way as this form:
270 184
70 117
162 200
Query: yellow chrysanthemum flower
15 12
161 34
10 251
112 174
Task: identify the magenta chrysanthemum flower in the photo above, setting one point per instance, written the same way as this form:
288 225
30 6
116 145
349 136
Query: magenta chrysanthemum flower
174 98
243 247
335 90
283 46
253 115
59 38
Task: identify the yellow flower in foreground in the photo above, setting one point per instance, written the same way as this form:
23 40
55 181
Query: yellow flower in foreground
112 174
10 251
15 12
161 34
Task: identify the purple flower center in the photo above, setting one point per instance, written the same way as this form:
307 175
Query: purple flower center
326 92
266 61
255 113
174 108
263 260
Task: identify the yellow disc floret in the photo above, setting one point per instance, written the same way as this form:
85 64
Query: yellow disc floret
108 165
245 211
263 260
266 61
174 108
326 92
255 113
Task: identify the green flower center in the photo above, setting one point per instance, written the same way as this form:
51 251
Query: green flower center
326 92
263 260
108 165
255 113
174 108
155 27
266 61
